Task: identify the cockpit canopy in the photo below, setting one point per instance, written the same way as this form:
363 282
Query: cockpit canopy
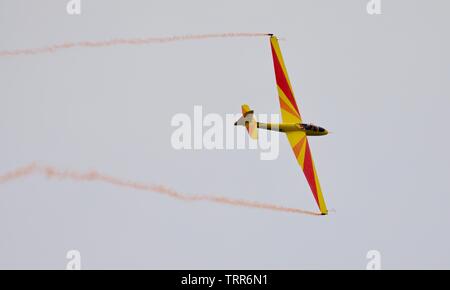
311 127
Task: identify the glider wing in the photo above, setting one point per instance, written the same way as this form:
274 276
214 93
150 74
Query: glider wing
289 109
291 114
302 152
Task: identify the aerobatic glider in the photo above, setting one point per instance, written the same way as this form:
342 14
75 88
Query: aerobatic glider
292 125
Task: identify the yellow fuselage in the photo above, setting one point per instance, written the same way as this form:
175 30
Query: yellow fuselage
310 130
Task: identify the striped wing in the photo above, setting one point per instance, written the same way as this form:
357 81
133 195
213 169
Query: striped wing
291 114
289 109
302 152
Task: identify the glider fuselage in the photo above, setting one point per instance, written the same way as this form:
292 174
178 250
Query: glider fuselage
309 129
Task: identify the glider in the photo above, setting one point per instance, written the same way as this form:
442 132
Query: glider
292 125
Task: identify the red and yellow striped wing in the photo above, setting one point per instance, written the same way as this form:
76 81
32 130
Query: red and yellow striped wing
289 109
291 114
300 146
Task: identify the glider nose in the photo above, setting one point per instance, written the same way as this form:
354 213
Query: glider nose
323 131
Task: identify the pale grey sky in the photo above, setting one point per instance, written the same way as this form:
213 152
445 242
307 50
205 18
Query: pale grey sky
380 83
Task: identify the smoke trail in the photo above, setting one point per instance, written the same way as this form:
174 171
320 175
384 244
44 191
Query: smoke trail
52 172
122 41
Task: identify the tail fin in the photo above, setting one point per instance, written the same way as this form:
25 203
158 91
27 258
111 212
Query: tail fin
249 121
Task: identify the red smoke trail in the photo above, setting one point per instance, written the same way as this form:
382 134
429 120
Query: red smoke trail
52 172
121 41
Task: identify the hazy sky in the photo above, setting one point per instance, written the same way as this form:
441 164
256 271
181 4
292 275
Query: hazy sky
380 83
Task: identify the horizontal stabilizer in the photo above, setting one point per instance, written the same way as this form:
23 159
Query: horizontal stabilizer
249 121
